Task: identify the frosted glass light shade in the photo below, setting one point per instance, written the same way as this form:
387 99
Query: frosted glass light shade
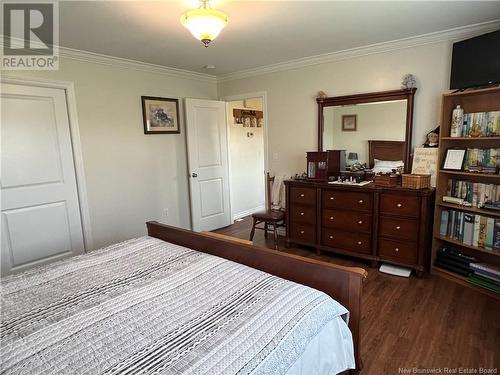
204 23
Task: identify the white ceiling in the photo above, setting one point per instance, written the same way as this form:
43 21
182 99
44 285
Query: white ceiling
259 33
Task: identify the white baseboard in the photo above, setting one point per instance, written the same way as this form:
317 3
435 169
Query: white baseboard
241 214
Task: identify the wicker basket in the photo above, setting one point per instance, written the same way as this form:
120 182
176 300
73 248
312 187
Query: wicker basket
417 181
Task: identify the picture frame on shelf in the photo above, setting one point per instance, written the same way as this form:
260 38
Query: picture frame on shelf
160 115
349 123
454 159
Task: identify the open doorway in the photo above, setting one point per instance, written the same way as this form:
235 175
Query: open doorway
247 126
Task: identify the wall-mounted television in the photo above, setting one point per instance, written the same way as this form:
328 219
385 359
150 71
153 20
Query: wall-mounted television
476 61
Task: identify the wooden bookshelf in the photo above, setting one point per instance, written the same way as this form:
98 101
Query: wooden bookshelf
473 174
463 281
471 139
461 244
471 101
474 210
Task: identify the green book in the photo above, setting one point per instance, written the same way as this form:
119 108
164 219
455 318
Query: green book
483 284
490 228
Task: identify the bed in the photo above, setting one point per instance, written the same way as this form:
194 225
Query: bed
387 150
165 304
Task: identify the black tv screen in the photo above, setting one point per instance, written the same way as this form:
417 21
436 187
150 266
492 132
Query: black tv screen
476 61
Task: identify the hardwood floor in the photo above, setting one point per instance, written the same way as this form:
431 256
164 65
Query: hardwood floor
424 323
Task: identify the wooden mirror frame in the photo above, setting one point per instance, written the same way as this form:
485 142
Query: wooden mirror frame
408 94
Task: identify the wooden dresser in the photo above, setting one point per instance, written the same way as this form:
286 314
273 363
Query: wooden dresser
393 225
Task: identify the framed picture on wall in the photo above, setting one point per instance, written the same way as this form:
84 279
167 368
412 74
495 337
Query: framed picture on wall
160 115
349 123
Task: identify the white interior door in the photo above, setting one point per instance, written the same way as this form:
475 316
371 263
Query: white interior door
208 163
40 210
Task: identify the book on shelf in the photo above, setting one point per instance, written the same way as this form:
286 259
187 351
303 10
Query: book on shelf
454 261
471 229
484 283
479 124
472 194
482 160
483 275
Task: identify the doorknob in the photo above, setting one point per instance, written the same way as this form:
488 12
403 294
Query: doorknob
194 175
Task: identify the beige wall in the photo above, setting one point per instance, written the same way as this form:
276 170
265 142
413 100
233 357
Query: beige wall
130 177
292 128
246 156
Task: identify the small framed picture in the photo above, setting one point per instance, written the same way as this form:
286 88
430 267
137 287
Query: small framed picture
349 123
454 159
160 115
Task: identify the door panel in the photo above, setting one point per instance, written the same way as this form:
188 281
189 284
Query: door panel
208 163
40 238
40 209
32 154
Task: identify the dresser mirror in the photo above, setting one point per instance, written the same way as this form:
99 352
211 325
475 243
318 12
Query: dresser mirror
350 122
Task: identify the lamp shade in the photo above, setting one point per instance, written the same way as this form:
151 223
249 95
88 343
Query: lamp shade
204 23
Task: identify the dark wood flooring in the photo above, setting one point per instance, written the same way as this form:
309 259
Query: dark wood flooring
408 322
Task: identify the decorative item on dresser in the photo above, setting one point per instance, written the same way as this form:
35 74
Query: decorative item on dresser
466 232
374 223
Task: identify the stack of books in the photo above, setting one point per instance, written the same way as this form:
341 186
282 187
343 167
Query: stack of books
479 124
454 261
473 194
471 229
485 276
482 160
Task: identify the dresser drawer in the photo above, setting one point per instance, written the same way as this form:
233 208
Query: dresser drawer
349 220
357 242
347 200
402 251
398 228
400 205
303 214
303 195
303 233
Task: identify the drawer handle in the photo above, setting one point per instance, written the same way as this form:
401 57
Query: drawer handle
396 249
331 237
302 232
302 195
301 214
398 227
360 243
331 217
360 222
399 205
360 201
332 198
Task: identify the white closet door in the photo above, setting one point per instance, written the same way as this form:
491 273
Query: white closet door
40 210
208 164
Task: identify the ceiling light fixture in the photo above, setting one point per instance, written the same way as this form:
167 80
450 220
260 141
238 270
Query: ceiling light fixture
204 23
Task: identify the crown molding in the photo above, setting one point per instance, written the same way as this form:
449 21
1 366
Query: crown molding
97 58
430 38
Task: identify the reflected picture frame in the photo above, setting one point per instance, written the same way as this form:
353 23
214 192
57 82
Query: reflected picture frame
454 159
349 123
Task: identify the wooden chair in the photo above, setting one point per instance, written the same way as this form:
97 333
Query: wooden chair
272 219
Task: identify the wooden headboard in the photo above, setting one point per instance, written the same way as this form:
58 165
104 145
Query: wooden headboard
386 150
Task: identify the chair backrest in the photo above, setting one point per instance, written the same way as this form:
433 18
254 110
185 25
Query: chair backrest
269 189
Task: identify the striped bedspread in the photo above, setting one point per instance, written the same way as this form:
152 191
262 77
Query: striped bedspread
148 306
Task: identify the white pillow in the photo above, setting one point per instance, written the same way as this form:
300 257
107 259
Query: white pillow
386 166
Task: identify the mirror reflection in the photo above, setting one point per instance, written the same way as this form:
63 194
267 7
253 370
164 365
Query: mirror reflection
349 127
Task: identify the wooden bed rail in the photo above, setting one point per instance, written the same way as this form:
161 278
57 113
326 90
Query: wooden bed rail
344 284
